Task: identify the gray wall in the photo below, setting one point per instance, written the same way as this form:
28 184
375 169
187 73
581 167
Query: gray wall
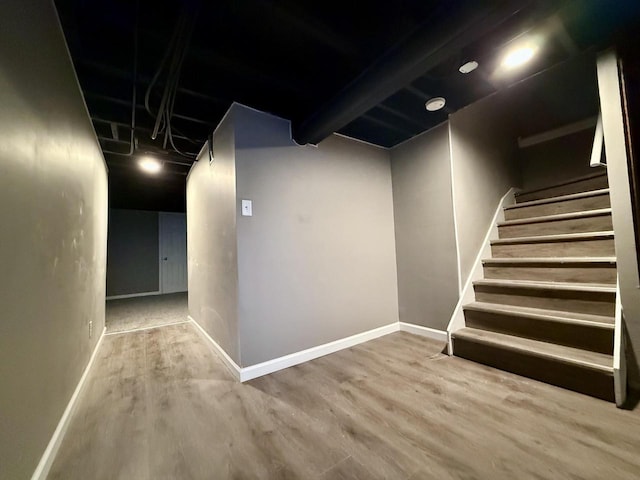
132 252
557 160
317 258
53 217
211 241
424 229
484 165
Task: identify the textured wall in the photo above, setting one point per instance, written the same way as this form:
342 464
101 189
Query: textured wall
211 241
424 229
132 252
53 212
317 258
484 166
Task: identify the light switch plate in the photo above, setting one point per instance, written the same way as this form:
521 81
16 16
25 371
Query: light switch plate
247 210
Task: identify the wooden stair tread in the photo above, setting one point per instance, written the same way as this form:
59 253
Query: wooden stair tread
562 237
586 319
566 182
559 198
533 284
550 261
557 216
560 353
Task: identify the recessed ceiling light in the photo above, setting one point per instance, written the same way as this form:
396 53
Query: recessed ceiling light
435 104
150 165
518 56
468 67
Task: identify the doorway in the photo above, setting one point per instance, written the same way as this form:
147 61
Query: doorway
173 252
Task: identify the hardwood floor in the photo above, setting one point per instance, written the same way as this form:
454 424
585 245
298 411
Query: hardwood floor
160 404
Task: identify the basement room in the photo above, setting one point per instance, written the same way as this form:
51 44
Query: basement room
287 239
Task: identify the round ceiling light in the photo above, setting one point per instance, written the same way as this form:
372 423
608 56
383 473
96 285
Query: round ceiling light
518 56
150 165
468 67
435 104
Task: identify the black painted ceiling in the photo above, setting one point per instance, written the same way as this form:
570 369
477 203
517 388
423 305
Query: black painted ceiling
299 60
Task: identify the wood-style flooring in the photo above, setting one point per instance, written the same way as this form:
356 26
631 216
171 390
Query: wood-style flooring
143 312
159 404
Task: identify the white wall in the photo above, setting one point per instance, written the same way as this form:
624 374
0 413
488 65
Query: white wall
316 260
424 229
211 241
53 217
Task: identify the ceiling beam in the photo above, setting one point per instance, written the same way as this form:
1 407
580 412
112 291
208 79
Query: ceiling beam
403 116
144 129
120 101
388 125
144 80
418 53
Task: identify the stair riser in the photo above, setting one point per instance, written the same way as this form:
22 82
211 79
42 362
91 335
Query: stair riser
580 248
561 273
598 223
567 206
578 336
577 187
595 383
595 303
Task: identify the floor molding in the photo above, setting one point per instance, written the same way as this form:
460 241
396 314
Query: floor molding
440 335
233 367
42 470
286 361
133 295
244 374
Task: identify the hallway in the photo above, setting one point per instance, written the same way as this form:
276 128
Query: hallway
160 404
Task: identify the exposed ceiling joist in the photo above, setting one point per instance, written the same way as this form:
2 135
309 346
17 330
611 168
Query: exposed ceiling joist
420 52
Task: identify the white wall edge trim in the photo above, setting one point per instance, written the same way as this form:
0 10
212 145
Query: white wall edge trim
132 295
619 354
467 295
286 361
453 208
440 335
233 367
42 470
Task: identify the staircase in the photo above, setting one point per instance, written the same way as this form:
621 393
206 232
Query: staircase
546 306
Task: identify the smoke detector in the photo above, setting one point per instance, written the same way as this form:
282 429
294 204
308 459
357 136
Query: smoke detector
435 104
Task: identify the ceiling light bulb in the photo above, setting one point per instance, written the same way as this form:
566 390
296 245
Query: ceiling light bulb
468 67
435 104
518 57
150 165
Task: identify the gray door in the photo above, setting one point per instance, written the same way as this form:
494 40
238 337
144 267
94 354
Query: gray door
173 252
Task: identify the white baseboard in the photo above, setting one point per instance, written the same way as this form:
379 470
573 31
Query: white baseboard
233 367
258 370
440 335
132 295
270 366
42 470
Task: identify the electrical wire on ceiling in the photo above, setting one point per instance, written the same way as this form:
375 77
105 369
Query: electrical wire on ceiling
170 68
